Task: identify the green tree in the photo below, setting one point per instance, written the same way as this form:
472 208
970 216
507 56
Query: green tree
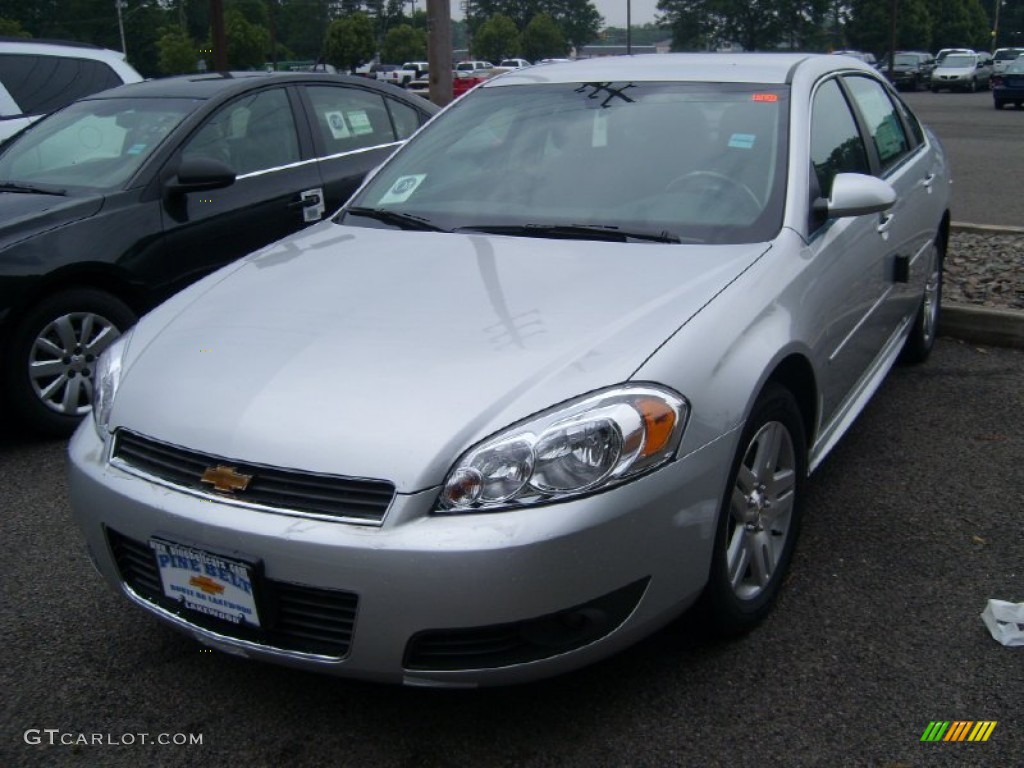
952 24
248 43
403 43
579 20
869 27
542 39
694 25
496 39
12 28
350 41
178 54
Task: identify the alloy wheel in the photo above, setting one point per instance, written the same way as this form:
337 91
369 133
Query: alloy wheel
761 510
62 360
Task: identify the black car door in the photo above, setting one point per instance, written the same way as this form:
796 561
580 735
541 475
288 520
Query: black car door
277 188
354 131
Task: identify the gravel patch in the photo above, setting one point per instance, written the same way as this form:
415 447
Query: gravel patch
985 269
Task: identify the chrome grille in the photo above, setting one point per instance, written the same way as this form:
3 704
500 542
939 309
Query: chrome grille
350 499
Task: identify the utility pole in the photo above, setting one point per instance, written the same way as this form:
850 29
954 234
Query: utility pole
220 42
629 27
995 26
119 4
439 50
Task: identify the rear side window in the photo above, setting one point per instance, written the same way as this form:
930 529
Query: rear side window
407 119
349 118
883 122
42 84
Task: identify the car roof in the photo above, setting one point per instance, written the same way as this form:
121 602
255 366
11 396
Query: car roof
206 86
680 67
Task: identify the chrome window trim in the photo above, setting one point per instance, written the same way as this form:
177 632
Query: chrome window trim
317 159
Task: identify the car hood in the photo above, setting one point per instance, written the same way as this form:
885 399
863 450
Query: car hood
954 70
23 214
382 353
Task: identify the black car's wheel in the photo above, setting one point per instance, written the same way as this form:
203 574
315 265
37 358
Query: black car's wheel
51 360
760 516
926 325
973 87
1000 104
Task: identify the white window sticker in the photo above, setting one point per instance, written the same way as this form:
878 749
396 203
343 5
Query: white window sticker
403 188
742 140
359 121
336 122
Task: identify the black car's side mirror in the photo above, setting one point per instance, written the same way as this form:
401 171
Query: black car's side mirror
200 174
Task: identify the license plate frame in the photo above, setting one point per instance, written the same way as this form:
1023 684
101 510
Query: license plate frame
205 582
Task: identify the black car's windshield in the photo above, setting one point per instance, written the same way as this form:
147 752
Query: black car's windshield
95 144
906 59
657 162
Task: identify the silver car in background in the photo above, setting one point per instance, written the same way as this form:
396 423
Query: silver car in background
558 372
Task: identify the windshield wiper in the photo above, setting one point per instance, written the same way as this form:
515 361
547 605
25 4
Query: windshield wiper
10 186
573 231
399 219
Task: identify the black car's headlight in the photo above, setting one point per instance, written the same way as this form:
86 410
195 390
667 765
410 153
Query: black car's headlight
578 447
108 379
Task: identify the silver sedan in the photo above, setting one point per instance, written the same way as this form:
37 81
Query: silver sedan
558 372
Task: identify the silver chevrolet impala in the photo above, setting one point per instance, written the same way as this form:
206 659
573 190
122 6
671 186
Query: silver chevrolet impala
557 372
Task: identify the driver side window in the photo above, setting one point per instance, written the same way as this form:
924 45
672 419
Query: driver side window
836 144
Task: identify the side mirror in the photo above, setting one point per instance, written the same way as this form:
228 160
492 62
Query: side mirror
855 194
201 174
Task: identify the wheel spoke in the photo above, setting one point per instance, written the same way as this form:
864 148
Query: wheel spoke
86 331
44 369
781 510
738 556
107 336
767 456
782 484
66 331
53 387
43 344
763 557
71 394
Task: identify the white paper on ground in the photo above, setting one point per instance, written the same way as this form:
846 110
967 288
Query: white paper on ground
1005 621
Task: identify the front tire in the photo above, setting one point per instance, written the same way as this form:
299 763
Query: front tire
52 357
919 343
760 516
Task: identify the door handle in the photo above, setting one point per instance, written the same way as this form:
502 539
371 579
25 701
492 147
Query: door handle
885 222
927 183
311 201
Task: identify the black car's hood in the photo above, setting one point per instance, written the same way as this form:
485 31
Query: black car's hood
24 214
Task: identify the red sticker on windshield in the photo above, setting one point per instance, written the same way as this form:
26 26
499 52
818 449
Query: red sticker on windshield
765 97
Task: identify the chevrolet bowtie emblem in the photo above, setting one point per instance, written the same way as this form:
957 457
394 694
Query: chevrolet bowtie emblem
225 479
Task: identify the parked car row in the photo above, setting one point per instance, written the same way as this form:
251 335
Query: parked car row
121 199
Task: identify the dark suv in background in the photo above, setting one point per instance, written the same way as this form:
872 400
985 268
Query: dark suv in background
911 70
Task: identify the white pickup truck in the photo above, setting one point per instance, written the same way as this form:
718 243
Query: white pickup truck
402 76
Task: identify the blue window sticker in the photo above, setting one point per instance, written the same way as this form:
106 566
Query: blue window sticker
136 149
742 140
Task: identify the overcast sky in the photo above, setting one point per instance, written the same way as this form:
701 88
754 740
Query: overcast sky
614 11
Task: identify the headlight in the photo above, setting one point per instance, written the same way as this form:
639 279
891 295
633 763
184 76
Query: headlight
585 445
108 378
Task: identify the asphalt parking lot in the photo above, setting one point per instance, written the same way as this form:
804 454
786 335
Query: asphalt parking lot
913 523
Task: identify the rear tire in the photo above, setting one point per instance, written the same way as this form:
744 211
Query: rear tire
921 340
759 520
51 360
1000 104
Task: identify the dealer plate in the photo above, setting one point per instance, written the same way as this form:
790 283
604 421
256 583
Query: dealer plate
207 583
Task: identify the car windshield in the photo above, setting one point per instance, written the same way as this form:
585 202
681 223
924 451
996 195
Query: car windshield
958 61
95 144
1016 67
694 162
906 58
1008 55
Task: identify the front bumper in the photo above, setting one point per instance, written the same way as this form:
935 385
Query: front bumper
633 558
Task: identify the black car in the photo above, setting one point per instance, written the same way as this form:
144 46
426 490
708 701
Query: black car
119 200
911 70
